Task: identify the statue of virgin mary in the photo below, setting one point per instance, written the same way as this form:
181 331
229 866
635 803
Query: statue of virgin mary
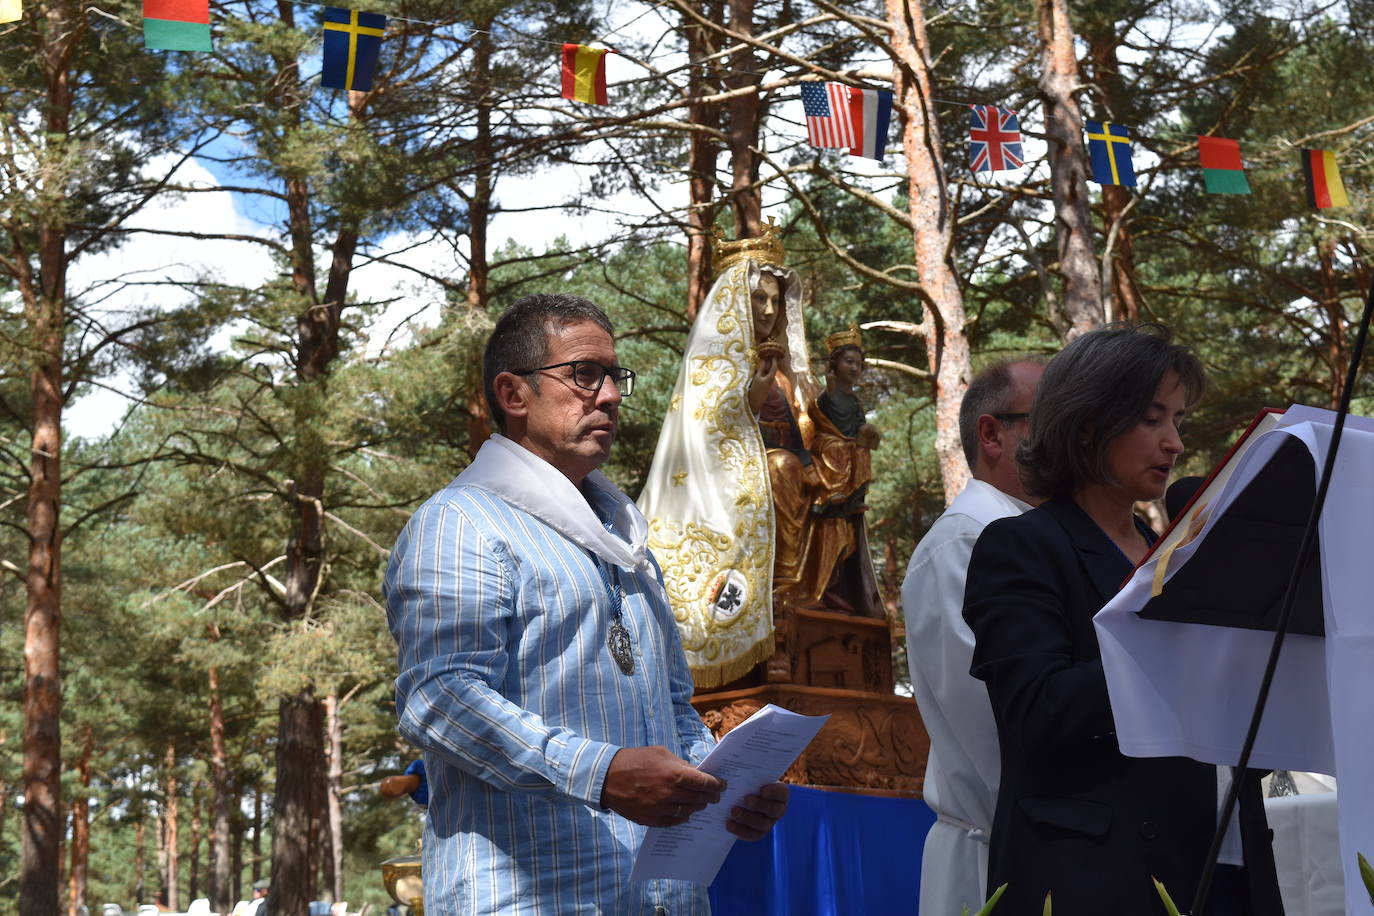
727 494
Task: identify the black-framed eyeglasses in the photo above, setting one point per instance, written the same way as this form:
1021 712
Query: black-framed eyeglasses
588 375
1009 417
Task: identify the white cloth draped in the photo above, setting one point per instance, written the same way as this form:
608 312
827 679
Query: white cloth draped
707 495
531 484
1307 852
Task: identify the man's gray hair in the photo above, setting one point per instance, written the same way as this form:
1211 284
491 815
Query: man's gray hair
990 392
520 339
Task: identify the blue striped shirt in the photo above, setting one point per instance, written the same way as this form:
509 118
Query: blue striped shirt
507 686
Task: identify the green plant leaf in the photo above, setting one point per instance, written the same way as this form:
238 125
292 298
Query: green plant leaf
1049 909
992 902
1164 895
1367 875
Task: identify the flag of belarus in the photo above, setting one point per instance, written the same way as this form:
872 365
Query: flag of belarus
176 25
1222 170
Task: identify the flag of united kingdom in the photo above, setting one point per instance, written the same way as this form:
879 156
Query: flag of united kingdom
995 140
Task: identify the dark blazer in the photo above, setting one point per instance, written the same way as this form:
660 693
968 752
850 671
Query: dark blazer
1074 815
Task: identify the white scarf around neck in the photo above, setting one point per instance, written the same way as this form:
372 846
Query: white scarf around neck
531 484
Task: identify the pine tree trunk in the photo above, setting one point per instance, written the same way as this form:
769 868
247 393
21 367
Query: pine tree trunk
193 877
140 835
294 845
81 827
257 834
479 204
221 893
942 304
236 857
479 215
170 839
316 347
743 131
1082 299
45 300
334 795
320 853
1334 349
298 742
319 828
1122 300
702 156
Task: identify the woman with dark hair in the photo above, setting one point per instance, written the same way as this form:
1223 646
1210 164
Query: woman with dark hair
1075 817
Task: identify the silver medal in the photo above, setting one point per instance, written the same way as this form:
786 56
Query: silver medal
617 637
618 641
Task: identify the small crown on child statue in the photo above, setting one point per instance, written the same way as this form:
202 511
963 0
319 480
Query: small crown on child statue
844 339
766 248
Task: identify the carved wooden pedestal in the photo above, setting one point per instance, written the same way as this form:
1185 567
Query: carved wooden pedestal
839 665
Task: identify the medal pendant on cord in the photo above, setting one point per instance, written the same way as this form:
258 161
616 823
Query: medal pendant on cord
618 641
617 637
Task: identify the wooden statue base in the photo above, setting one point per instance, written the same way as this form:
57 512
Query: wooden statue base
874 743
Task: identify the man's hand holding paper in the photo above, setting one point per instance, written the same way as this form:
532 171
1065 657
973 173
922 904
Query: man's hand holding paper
750 758
655 787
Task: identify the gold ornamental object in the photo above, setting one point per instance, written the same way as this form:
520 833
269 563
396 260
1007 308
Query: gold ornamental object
844 339
401 876
767 248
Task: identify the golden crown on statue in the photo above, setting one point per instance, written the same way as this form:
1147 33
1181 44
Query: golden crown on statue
766 248
844 339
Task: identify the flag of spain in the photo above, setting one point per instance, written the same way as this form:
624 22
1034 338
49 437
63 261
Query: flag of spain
584 74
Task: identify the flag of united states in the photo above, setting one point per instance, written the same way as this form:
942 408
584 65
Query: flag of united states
828 121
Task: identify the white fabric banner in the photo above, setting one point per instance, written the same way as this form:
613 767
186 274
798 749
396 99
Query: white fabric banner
1189 689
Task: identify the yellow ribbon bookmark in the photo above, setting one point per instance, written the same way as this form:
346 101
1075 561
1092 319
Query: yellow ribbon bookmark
1195 524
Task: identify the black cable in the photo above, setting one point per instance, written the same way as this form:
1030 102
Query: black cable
1309 537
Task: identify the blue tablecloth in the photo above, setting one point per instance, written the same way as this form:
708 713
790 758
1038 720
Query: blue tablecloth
832 854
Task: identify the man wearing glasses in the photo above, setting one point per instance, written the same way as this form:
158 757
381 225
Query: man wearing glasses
540 668
964 766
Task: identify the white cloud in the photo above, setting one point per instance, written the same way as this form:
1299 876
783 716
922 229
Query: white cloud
147 267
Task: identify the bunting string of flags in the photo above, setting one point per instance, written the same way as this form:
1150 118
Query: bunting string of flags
837 115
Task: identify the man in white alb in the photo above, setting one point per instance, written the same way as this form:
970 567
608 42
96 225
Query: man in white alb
964 766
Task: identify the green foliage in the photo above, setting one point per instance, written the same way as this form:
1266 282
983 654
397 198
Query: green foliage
992 902
1169 906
